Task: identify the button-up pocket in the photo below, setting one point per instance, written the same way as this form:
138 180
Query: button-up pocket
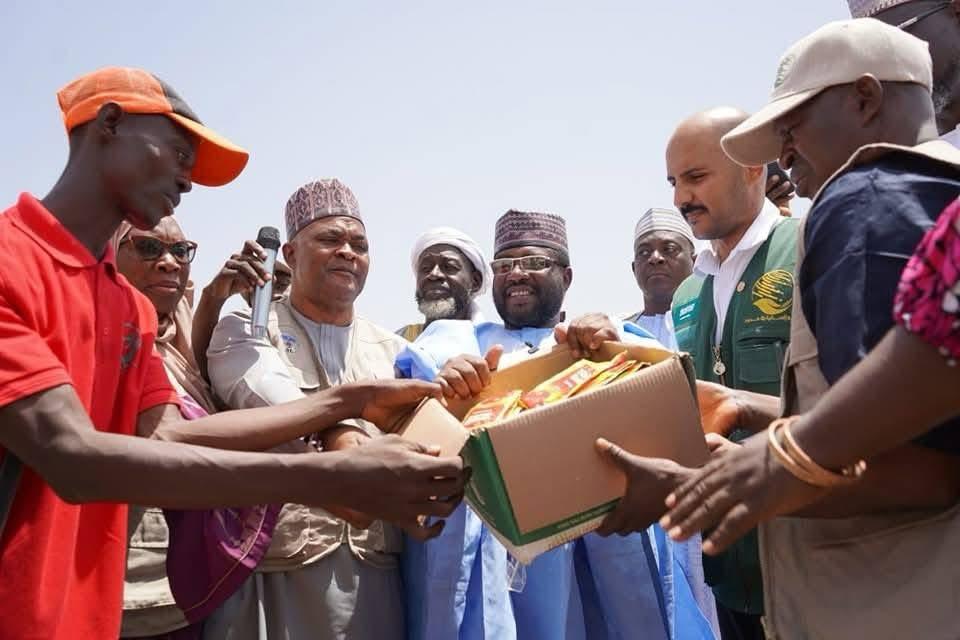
759 362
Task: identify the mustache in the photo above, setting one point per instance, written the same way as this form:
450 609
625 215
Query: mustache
687 209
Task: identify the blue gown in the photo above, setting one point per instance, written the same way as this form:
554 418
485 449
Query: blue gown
460 585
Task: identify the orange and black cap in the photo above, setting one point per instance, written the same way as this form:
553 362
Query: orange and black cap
218 161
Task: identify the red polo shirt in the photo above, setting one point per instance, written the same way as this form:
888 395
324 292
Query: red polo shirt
66 318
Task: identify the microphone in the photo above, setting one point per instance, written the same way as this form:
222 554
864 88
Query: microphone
269 239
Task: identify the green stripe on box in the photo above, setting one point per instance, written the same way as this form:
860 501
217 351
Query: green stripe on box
486 492
568 523
487 495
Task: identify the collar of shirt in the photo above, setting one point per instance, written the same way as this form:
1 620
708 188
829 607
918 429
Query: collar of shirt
757 233
491 333
313 324
43 227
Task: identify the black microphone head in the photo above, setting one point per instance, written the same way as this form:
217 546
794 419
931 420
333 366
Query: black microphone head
269 238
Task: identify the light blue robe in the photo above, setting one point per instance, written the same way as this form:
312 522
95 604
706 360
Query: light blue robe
459 584
660 326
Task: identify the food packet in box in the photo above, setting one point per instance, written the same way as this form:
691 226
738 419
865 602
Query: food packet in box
568 382
492 410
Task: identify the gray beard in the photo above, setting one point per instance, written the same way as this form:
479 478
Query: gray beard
442 309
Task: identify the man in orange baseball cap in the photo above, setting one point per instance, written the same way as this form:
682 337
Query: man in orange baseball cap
217 161
79 376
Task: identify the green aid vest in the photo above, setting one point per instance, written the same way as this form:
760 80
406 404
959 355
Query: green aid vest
756 332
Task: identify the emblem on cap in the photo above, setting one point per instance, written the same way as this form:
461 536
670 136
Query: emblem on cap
784 69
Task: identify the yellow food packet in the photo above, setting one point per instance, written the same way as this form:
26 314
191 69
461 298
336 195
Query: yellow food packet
632 370
492 410
568 382
608 376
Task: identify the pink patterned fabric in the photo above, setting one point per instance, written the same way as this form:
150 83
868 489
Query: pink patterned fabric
319 199
928 298
213 551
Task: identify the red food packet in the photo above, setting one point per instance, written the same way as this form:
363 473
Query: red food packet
492 410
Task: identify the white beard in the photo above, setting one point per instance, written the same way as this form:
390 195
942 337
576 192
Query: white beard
441 309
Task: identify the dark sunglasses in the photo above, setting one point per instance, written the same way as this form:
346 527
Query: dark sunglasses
906 24
503 266
152 249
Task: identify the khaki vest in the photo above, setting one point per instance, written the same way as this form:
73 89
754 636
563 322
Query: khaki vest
880 576
305 534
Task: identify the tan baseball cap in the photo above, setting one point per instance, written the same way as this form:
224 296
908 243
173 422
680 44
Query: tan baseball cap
837 53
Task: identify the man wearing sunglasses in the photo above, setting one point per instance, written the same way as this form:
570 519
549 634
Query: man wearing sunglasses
566 589
80 377
938 23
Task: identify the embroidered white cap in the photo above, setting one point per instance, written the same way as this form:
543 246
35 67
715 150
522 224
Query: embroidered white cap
837 53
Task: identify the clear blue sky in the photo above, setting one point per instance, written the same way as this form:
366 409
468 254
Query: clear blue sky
433 112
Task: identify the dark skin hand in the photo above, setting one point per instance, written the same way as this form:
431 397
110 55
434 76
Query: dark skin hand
240 274
585 334
723 409
467 375
780 192
751 471
384 403
649 481
390 478
750 486
346 437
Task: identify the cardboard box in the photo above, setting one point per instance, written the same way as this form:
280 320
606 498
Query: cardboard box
538 480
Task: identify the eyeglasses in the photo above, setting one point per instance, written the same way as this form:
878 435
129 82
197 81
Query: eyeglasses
503 266
152 249
929 12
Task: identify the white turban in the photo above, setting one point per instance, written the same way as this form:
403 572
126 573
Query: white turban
467 245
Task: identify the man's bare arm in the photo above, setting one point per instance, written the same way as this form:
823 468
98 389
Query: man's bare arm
382 402
249 429
390 478
908 478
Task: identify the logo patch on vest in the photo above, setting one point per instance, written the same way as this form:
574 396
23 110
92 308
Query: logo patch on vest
773 292
289 343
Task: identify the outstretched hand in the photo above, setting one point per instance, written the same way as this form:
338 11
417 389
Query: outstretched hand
733 493
649 480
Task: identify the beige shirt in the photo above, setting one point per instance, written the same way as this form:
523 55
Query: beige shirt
251 372
882 575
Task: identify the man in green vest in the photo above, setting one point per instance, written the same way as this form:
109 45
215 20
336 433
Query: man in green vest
733 314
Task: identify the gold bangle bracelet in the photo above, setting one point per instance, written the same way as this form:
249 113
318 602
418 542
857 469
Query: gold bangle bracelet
822 476
791 465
